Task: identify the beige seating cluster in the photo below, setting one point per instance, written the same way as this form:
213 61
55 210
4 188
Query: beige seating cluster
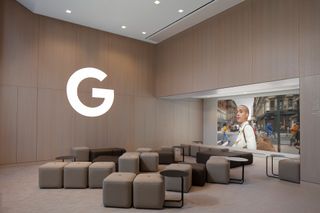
74 174
136 162
124 189
289 170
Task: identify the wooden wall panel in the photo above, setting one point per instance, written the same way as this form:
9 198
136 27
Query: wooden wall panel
195 127
310 122
19 46
275 39
57 53
164 122
139 122
55 124
91 49
91 132
122 65
163 79
8 123
145 85
181 122
235 51
27 125
206 51
255 41
120 122
150 122
309 37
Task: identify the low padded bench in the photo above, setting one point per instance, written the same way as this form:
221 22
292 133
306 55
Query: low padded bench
202 157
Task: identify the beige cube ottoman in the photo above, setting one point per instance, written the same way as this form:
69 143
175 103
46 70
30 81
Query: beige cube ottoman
218 170
51 175
81 153
174 183
129 162
289 170
76 175
149 161
98 171
148 191
117 189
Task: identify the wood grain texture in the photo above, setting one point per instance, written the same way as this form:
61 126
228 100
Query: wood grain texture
19 46
252 42
120 122
235 53
55 124
27 124
310 122
275 39
57 53
206 50
309 37
8 123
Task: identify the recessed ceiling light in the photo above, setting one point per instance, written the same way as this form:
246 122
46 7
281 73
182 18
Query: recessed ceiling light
157 2
144 33
68 11
123 27
180 11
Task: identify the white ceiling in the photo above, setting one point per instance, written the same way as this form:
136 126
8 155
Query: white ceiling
158 21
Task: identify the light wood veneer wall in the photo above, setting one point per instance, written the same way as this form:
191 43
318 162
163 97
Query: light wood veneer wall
255 41
38 55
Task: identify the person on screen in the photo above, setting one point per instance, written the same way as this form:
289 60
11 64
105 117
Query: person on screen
246 137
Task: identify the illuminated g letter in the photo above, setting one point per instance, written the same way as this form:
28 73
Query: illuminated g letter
72 92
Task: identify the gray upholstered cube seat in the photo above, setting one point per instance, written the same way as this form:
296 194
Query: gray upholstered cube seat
117 189
81 153
218 170
148 191
194 149
174 183
149 161
76 175
129 162
186 149
51 175
98 171
289 170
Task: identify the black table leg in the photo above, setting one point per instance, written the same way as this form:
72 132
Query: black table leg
177 201
239 181
272 170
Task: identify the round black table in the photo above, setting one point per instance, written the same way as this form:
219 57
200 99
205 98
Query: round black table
175 173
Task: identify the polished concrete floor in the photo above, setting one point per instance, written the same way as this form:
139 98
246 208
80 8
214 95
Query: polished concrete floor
19 192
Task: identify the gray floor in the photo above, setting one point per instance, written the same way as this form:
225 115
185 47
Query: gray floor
19 192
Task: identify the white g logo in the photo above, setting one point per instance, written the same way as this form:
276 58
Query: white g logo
72 92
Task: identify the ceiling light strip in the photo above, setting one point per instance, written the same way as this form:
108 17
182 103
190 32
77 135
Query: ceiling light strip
178 19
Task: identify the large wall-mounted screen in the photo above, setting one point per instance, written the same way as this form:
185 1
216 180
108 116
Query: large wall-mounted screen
268 123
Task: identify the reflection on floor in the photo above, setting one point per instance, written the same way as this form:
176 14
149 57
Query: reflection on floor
19 192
